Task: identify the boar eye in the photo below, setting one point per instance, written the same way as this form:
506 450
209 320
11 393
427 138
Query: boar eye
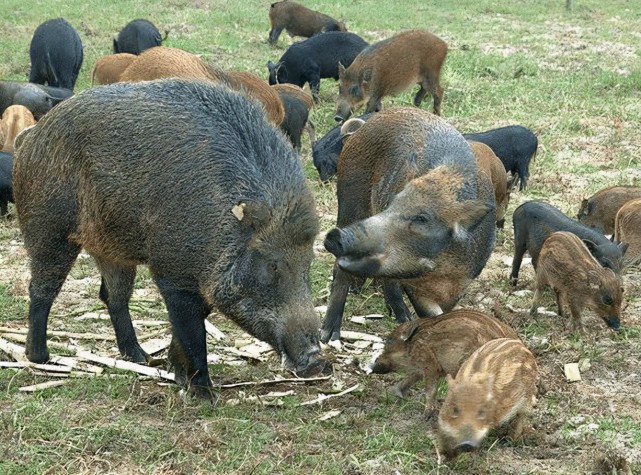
608 300
481 414
455 411
419 219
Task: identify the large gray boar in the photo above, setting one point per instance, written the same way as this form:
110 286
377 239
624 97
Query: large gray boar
188 178
413 209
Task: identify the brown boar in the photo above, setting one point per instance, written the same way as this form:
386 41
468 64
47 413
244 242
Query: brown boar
298 20
492 165
108 69
627 228
14 120
430 348
165 62
599 210
495 388
390 67
578 280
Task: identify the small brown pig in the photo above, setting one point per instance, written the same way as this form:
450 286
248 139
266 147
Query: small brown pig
627 228
578 280
431 348
495 386
599 210
14 119
108 69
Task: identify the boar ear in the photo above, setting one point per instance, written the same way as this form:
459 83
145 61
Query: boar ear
470 214
271 66
252 214
365 76
592 247
623 246
594 281
450 380
341 70
409 330
351 126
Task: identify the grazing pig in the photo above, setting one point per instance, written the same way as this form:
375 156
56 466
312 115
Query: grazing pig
108 69
495 388
215 204
311 60
37 98
56 54
6 191
491 165
164 62
137 36
389 67
14 120
599 210
514 145
298 20
297 104
627 228
534 221
430 348
578 280
414 210
325 152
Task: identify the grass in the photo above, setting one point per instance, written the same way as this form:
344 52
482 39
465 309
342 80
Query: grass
574 78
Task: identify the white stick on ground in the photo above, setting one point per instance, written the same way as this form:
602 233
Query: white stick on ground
213 331
126 365
324 397
15 351
48 384
275 381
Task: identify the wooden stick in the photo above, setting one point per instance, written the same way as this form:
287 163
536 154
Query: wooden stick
275 381
323 397
126 365
156 345
84 336
213 331
27 364
48 384
349 335
17 352
75 363
243 354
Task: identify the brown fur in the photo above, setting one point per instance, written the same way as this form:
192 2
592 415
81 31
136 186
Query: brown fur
430 348
390 67
494 386
578 280
164 62
600 210
14 119
108 69
627 228
493 167
298 20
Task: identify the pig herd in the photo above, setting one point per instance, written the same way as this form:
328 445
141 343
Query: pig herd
177 164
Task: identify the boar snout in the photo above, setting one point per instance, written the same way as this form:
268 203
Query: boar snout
362 267
343 111
465 446
337 240
613 322
311 366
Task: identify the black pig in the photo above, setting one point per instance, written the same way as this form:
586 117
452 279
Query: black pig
311 60
56 54
215 204
534 221
515 146
137 36
6 193
37 98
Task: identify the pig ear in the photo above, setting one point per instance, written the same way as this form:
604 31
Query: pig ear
590 245
341 70
409 330
594 281
365 76
252 214
351 126
271 66
470 213
623 246
450 380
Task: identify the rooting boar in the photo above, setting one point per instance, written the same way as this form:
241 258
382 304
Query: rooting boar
430 348
56 54
299 20
6 191
318 57
627 228
534 221
495 388
491 164
137 36
164 62
216 205
515 146
14 120
390 67
413 210
578 280
599 210
37 98
108 69
297 103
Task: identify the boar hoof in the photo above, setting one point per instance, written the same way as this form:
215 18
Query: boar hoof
38 356
328 335
138 355
513 281
155 362
205 393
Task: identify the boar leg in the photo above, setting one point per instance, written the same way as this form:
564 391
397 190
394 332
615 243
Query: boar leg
374 104
49 269
400 389
430 83
314 82
188 350
575 311
422 306
336 306
115 291
515 427
431 377
536 300
274 33
394 299
520 246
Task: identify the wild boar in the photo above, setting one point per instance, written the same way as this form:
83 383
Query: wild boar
164 62
627 228
56 54
578 280
325 152
413 210
311 60
515 146
6 190
216 205
599 210
108 69
297 103
495 388
430 348
491 164
137 36
298 20
37 98
534 221
389 67
14 120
